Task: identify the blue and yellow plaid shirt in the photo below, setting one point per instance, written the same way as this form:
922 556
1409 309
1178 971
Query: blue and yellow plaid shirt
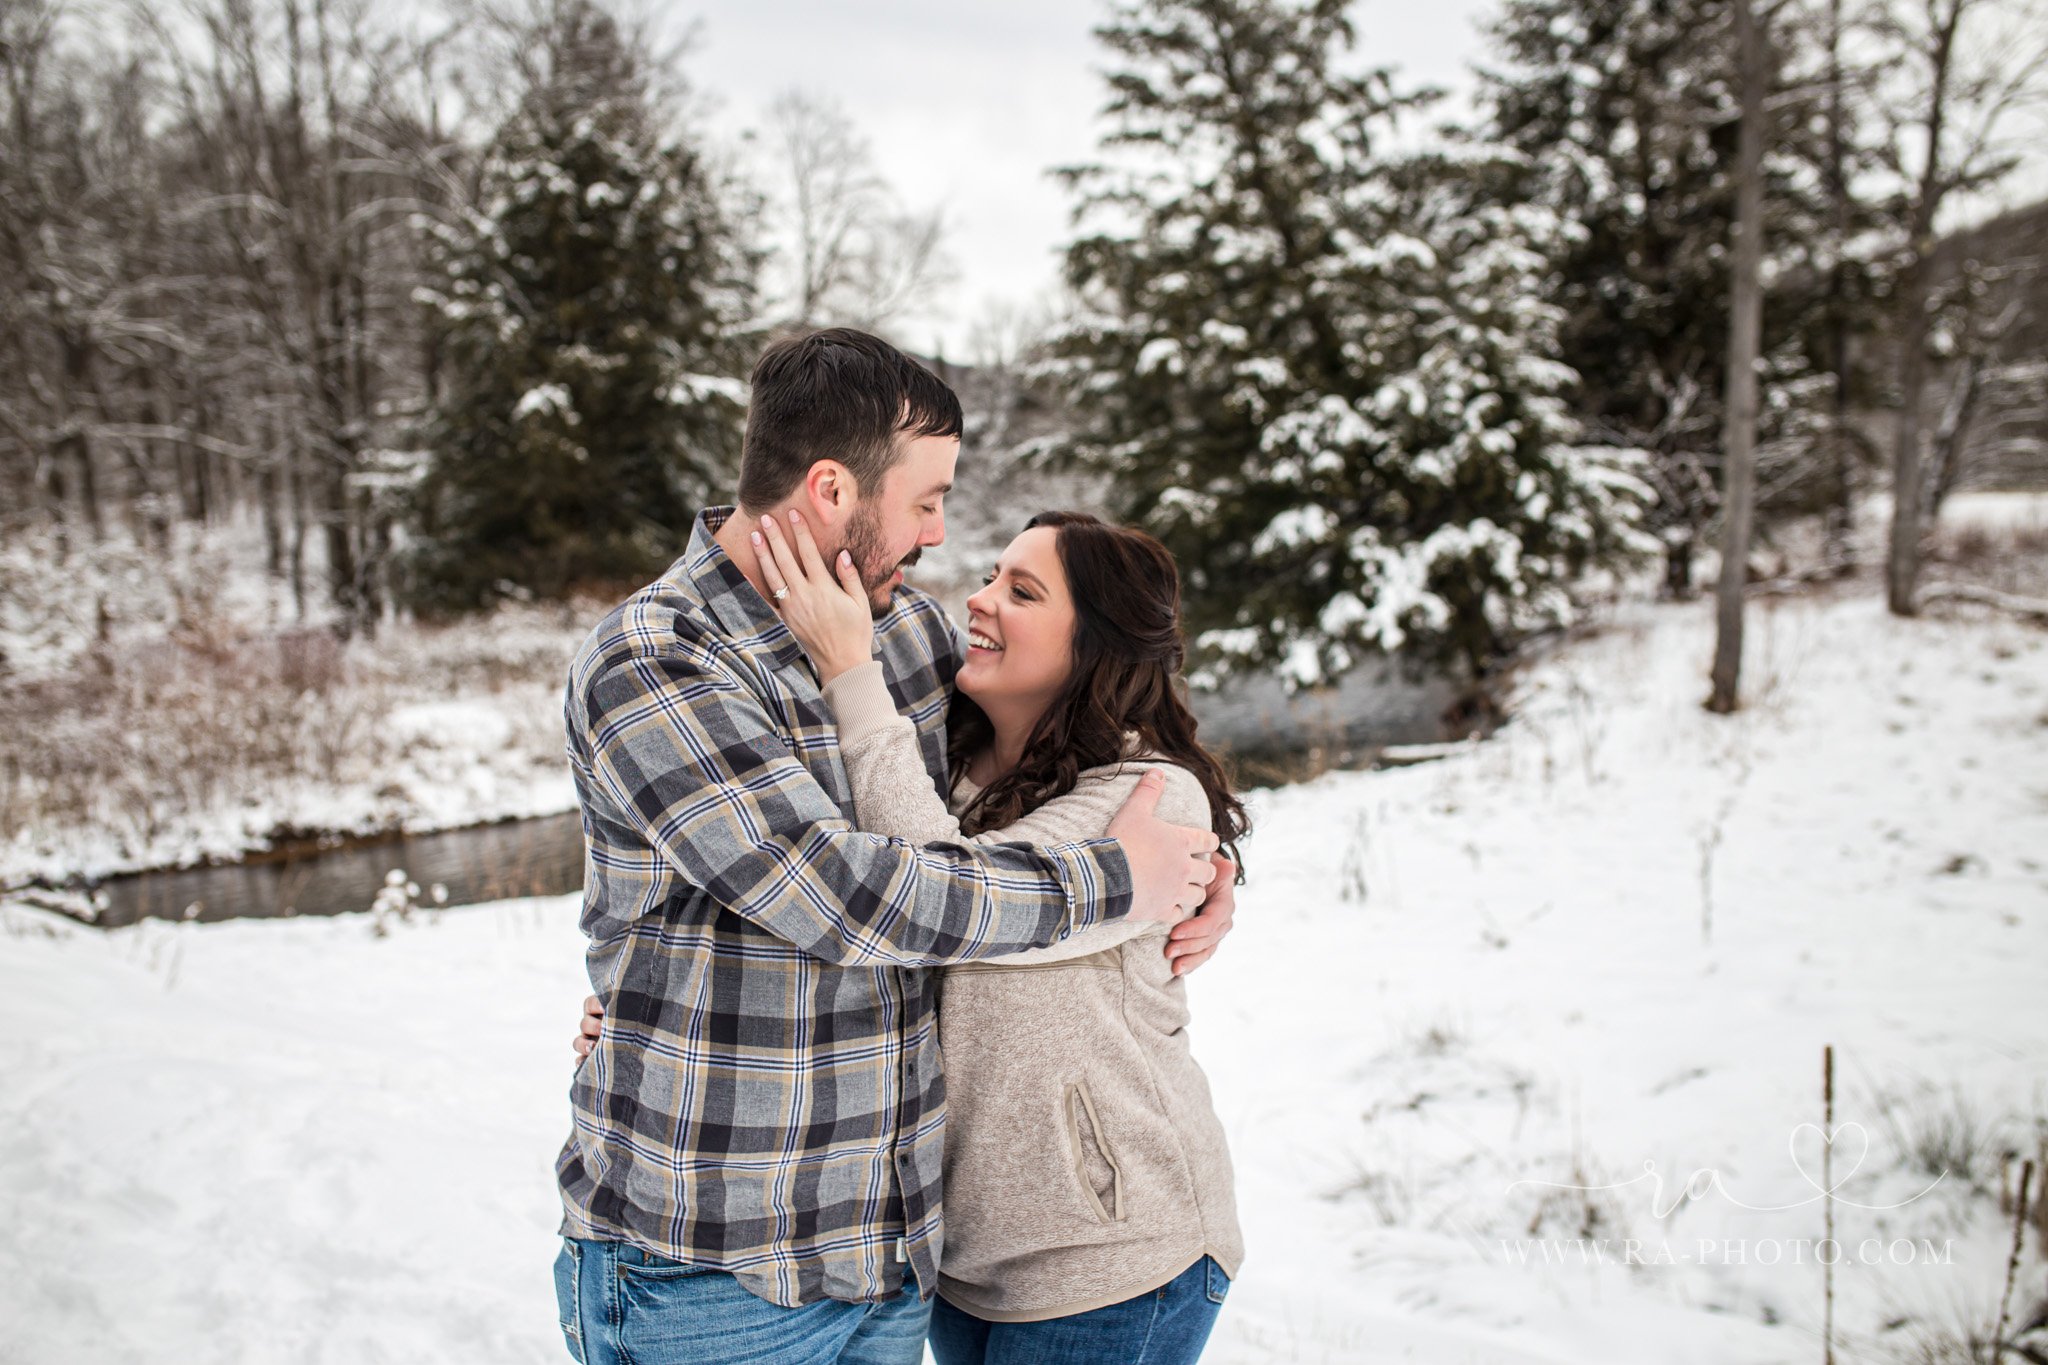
766 1097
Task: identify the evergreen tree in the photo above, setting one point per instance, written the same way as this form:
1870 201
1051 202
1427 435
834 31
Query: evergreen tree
1322 373
1625 113
591 397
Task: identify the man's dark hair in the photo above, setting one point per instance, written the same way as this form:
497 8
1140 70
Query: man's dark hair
838 395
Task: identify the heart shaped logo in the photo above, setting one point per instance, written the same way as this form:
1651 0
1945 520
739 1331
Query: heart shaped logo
1841 1140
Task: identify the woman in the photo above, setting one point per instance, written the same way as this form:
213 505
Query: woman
1089 1206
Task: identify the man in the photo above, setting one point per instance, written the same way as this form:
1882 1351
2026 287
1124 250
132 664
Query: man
753 1173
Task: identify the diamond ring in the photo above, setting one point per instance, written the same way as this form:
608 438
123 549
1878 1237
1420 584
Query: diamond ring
779 594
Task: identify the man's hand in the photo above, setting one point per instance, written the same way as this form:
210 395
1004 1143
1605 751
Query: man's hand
1170 867
593 1025
1194 941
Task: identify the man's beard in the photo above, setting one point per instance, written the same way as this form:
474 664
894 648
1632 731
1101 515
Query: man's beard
864 542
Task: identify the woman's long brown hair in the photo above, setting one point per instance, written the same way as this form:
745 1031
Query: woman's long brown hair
1128 654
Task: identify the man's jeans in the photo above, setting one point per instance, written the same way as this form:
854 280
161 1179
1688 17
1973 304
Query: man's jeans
1168 1326
624 1306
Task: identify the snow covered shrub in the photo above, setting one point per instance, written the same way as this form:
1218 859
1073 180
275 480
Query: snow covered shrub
308 660
394 900
139 736
1324 374
398 898
209 740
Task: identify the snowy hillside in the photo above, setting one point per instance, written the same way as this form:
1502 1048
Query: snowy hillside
1611 941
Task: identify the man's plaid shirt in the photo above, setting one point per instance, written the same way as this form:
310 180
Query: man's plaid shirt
766 1097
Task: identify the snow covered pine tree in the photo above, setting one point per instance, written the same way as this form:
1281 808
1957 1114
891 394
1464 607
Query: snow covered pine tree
1624 114
1323 374
594 301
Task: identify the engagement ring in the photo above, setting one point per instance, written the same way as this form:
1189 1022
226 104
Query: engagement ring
780 593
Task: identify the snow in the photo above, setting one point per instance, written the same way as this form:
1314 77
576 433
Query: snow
1610 942
1310 524
543 400
1157 352
1227 335
696 388
265 1144
2001 511
1188 503
1330 423
1523 989
1267 370
1341 613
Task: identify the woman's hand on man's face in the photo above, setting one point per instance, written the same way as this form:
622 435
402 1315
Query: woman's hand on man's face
828 613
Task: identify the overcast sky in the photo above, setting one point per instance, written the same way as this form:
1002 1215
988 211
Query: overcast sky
968 102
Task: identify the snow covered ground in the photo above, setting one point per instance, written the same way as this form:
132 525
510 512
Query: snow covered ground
1977 508
1609 943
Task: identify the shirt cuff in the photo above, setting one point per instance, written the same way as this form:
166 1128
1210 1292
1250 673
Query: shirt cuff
860 702
1097 881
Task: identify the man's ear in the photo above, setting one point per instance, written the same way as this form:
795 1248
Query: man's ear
830 492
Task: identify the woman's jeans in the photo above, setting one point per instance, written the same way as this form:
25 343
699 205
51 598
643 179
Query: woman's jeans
624 1306
1168 1326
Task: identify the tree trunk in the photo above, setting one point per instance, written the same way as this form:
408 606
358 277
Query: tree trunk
1738 496
190 461
1839 532
376 554
334 526
149 464
1902 565
300 526
1678 567
58 496
203 500
75 443
1950 433
267 497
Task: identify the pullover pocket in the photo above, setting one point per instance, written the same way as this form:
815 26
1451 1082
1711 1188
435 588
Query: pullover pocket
1095 1164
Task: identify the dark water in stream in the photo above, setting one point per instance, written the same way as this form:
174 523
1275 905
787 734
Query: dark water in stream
540 857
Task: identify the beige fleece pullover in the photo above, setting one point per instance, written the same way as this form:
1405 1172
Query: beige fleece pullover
1084 1161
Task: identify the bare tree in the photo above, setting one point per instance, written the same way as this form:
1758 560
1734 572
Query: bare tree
1968 73
68 202
1988 309
286 122
857 256
1746 298
1839 521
